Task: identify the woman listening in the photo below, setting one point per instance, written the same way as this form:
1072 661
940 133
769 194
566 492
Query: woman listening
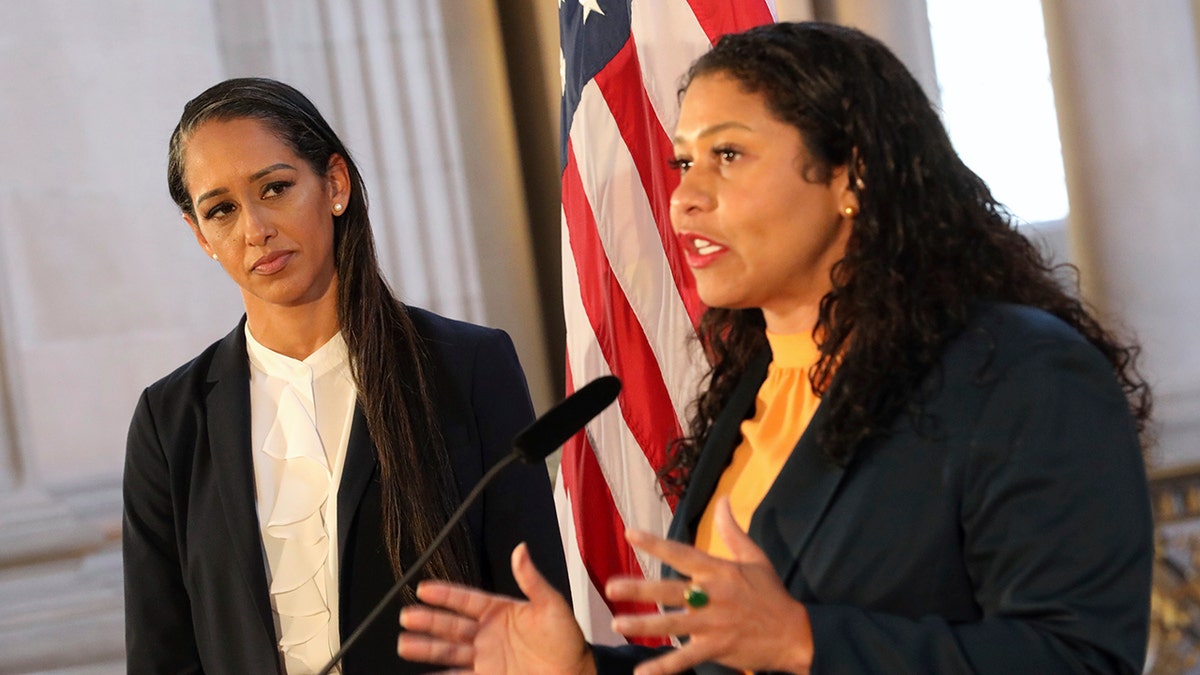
278 483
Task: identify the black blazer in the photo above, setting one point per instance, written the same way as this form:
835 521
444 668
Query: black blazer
1006 531
196 596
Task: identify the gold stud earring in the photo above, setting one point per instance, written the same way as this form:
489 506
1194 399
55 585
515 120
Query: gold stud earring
849 211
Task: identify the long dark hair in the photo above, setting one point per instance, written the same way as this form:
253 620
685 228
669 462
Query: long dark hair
928 245
387 358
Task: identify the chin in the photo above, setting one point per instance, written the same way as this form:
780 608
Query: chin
721 298
713 299
727 305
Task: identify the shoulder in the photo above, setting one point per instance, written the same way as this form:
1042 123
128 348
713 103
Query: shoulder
1013 363
466 357
436 327
451 337
1025 372
190 380
1002 336
1025 324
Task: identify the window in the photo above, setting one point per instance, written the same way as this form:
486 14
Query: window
993 73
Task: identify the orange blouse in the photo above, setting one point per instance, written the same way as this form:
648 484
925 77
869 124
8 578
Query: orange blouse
782 410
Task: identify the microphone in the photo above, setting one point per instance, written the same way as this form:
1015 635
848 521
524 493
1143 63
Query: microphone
564 420
531 445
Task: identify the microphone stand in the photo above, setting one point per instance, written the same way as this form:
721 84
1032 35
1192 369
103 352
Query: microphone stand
419 564
533 444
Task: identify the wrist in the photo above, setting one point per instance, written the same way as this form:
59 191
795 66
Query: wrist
587 664
800 655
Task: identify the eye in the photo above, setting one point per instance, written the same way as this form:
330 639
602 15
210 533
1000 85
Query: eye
219 211
726 155
680 164
276 188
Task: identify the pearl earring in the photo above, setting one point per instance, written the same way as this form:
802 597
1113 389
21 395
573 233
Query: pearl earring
214 256
849 211
337 208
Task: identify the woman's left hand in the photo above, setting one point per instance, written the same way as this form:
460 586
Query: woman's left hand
750 622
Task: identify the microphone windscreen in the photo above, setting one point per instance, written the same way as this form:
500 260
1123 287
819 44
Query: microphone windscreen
564 420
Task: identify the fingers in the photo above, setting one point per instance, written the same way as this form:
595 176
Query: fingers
743 547
426 649
443 625
674 661
677 623
443 637
633 589
686 559
456 598
529 580
434 636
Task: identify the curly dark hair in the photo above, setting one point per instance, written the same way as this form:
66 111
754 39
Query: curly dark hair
928 245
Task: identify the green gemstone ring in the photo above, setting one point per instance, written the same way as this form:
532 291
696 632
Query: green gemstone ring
695 597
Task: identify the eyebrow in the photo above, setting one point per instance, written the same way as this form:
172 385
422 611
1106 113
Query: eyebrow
708 131
257 174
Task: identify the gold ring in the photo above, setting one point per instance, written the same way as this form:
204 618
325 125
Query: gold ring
695 597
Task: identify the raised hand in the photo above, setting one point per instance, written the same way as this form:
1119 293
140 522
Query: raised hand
749 622
479 632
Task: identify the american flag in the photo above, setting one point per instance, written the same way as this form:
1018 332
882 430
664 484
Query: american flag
628 297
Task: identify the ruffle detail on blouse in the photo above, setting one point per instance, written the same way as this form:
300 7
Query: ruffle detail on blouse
296 525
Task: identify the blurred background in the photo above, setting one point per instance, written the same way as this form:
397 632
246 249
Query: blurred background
1083 115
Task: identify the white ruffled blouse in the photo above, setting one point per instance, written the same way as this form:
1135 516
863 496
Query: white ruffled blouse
300 415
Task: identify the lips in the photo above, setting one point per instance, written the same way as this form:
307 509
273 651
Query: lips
271 262
700 251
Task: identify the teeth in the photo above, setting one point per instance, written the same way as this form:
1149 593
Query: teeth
705 247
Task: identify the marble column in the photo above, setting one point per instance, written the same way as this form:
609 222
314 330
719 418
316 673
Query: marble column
903 25
101 292
1127 83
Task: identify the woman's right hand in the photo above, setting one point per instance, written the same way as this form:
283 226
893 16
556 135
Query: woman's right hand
480 632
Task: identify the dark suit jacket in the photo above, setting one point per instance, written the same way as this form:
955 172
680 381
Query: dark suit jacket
1007 531
195 582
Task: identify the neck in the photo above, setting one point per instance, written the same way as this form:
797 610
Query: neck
295 331
791 320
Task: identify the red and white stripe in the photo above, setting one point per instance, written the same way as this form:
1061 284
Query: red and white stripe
628 298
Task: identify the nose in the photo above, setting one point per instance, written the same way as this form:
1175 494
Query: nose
256 226
693 195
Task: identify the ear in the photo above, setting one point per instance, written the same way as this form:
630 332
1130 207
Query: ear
847 199
337 178
191 221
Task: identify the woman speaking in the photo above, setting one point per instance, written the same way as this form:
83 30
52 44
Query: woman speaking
916 452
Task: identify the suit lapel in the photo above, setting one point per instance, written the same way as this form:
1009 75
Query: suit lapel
789 513
228 406
722 440
356 476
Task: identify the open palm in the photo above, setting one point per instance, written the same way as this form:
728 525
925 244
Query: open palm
481 632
